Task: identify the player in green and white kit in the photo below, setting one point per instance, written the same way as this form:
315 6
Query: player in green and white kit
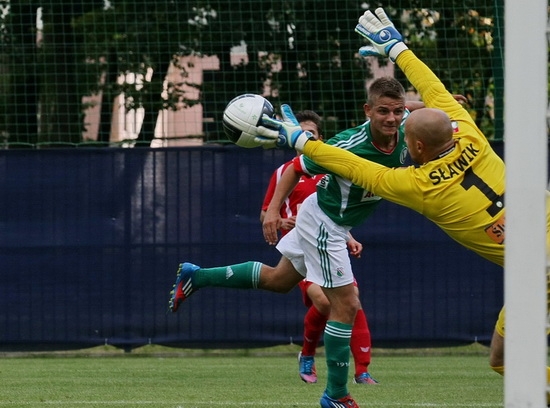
338 205
316 247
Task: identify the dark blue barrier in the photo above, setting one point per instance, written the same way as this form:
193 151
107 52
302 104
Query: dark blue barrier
90 242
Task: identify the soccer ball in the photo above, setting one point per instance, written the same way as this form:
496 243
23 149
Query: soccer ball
243 115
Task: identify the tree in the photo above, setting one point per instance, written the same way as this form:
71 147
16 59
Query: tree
40 78
61 91
301 52
306 52
323 71
458 41
20 96
141 39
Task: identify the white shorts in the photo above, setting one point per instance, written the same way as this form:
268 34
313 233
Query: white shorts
317 247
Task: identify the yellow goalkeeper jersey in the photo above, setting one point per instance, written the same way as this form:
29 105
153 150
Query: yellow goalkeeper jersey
462 190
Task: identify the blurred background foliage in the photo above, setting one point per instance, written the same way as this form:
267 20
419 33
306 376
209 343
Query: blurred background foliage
56 53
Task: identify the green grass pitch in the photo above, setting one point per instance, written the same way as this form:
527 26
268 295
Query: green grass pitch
418 378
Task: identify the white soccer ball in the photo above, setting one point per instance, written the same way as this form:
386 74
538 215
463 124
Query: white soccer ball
243 115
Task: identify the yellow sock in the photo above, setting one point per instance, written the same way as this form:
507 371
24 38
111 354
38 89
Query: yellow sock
500 370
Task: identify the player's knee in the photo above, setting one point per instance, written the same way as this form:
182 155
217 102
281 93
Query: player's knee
355 304
496 352
347 307
322 305
318 298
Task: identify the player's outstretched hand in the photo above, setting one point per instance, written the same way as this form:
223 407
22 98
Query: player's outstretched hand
385 40
288 133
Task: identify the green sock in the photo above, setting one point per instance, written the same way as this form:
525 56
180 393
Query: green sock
244 276
337 338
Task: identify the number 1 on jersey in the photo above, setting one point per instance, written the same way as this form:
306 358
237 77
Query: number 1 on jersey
473 180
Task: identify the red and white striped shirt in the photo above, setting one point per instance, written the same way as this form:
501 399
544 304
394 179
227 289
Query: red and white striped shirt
305 187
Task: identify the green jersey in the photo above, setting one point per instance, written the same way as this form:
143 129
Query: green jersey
348 204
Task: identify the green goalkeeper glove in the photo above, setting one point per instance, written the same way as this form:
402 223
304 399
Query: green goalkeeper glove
288 133
385 40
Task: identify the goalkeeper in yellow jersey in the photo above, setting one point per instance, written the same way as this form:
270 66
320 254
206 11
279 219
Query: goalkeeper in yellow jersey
459 180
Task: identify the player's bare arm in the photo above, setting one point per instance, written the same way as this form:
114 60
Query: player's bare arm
272 218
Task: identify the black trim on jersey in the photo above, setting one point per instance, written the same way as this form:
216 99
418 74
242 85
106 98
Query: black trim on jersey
446 152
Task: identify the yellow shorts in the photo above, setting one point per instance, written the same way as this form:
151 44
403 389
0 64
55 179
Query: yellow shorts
499 327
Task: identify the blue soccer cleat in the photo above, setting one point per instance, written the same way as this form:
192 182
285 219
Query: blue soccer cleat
364 378
346 402
183 288
306 366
